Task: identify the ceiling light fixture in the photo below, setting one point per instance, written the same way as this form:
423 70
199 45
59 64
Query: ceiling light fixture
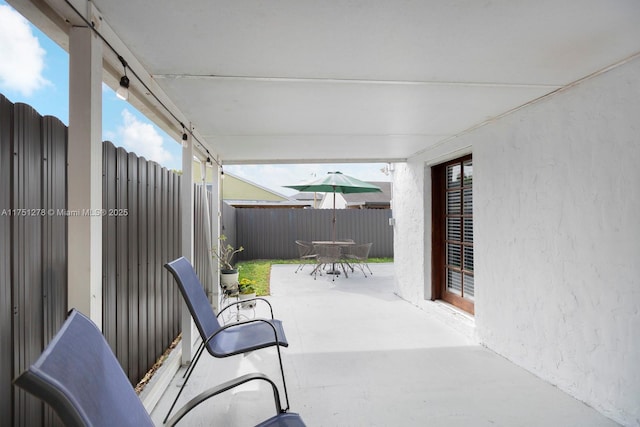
123 90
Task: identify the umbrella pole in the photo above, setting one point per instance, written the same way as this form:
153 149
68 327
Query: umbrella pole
333 234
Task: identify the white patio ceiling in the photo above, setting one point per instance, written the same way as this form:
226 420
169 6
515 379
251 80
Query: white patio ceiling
379 80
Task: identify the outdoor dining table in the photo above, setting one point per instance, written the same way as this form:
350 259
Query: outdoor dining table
333 243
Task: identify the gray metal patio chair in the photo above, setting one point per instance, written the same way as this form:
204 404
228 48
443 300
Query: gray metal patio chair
305 253
78 375
328 255
228 340
358 255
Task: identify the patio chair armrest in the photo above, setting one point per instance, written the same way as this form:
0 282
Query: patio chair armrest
243 322
245 300
226 386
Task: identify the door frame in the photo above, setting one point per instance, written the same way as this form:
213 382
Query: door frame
438 237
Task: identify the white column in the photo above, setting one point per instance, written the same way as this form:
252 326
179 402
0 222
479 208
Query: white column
213 286
187 242
84 174
214 223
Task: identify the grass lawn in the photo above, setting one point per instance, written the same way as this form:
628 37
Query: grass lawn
260 270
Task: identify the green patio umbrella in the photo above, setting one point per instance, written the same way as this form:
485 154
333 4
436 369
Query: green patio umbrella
336 182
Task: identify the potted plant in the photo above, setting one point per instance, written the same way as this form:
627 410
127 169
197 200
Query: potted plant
247 291
228 274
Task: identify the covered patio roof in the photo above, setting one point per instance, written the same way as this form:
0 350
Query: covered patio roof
292 81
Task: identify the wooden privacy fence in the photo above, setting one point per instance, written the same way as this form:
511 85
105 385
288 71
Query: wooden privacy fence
141 232
271 233
33 249
141 305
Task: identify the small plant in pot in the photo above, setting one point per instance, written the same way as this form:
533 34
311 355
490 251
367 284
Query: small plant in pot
247 291
228 274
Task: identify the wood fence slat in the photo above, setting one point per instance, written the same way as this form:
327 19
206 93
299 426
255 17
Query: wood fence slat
6 303
109 248
27 247
128 214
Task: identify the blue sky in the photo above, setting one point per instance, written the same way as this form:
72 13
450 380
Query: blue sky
34 70
37 74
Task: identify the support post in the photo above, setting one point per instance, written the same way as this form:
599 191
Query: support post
84 174
187 227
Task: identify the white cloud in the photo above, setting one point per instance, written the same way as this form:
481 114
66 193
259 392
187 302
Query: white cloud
22 56
142 139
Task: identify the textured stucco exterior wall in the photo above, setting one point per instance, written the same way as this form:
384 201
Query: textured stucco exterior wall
557 238
411 255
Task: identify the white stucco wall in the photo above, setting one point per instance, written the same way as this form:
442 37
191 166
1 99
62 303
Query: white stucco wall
411 255
557 238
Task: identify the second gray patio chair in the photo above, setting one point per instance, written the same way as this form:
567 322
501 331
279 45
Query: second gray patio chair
228 340
328 255
358 255
305 253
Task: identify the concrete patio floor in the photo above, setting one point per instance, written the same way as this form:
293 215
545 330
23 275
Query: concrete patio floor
361 356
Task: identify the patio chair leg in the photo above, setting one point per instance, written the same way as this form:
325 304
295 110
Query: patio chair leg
184 383
345 271
191 365
314 272
367 265
284 382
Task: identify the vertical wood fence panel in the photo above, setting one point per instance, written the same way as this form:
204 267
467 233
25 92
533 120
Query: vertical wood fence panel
175 235
109 248
54 233
136 370
141 213
229 224
144 349
158 261
6 305
33 267
54 225
27 264
150 267
122 258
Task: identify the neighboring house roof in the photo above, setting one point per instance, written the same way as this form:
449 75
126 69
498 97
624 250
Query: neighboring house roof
371 200
304 196
236 188
313 199
240 189
288 204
